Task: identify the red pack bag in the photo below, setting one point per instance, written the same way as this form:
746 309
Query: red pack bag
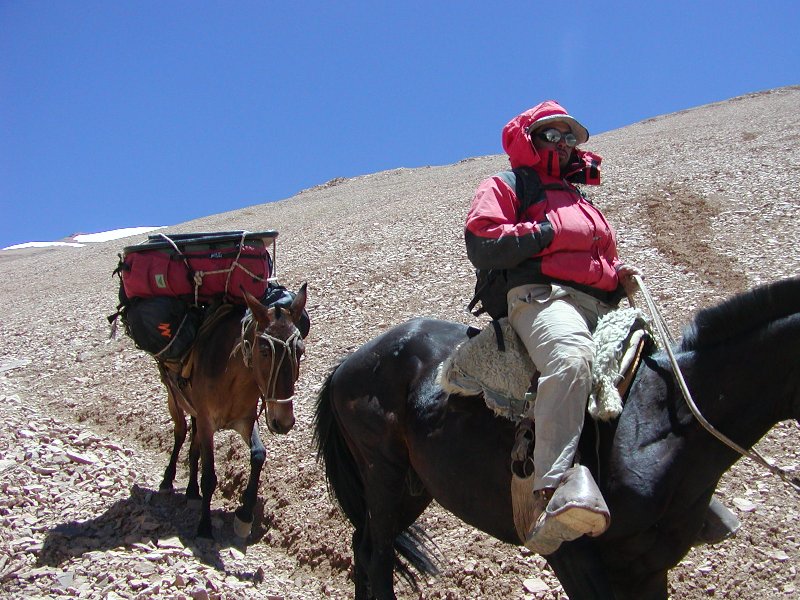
198 267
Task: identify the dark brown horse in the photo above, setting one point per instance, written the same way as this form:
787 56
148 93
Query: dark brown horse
392 441
245 355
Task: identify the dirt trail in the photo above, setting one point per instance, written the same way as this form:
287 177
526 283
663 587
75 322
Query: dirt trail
86 434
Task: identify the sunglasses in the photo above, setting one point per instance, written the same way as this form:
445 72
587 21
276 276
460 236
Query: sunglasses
554 136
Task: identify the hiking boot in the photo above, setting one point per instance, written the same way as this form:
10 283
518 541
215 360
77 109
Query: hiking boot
576 508
547 534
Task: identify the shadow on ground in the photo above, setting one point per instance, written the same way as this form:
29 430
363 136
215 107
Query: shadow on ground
147 516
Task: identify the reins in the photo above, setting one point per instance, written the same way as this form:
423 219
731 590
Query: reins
667 341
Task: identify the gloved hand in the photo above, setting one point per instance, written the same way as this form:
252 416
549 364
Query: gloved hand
626 274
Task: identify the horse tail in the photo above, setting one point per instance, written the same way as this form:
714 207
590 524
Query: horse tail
341 471
347 488
416 547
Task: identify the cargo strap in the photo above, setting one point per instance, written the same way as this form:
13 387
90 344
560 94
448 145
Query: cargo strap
197 276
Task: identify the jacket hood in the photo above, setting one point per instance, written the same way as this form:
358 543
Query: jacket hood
584 166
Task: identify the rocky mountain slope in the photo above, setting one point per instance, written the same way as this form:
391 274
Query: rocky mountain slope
705 201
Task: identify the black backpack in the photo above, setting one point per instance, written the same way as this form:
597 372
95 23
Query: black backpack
491 285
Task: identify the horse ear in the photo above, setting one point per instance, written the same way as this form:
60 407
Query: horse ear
299 303
260 312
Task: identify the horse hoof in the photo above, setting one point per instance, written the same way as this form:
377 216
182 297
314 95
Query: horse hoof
164 497
241 528
194 503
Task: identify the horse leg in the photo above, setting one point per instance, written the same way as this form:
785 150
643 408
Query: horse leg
208 477
384 494
179 434
243 521
580 570
192 489
654 587
361 554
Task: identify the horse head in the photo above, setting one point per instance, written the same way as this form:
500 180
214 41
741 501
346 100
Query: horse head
273 346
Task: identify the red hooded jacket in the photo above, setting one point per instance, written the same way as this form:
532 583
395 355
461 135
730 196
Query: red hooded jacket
563 238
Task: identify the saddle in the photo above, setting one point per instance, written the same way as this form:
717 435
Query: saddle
496 364
478 367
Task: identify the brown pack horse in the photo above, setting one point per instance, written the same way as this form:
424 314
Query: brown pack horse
392 441
245 355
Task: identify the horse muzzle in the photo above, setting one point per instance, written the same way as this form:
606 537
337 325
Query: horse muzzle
280 415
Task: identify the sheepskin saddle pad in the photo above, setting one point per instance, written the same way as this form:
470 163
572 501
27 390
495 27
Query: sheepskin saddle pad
477 366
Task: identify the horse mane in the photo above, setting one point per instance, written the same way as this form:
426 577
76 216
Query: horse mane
216 337
241 345
742 313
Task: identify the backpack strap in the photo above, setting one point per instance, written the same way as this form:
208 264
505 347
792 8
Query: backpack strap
498 334
527 187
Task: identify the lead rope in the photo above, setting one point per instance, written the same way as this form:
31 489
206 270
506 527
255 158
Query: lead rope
235 261
667 340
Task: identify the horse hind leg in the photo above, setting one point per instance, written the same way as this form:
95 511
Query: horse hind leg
392 510
204 436
179 434
243 518
361 554
193 496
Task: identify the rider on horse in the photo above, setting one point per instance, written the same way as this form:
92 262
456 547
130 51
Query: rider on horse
558 257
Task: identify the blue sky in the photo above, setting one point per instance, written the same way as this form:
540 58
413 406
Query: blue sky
132 113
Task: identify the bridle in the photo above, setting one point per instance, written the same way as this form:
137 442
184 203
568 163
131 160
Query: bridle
290 353
667 341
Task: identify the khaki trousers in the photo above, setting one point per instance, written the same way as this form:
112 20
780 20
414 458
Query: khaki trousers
555 323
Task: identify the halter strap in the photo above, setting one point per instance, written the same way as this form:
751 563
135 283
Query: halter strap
290 350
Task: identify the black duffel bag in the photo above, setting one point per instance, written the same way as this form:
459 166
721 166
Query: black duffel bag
164 326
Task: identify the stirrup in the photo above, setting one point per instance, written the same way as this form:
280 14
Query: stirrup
523 504
720 524
522 451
